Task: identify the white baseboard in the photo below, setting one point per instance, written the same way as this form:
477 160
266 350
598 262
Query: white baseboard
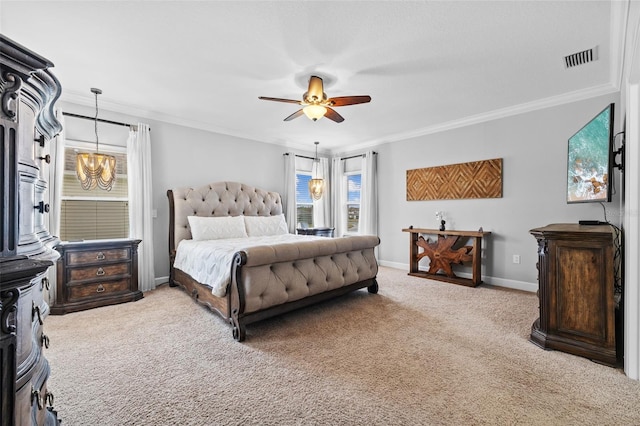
161 280
498 282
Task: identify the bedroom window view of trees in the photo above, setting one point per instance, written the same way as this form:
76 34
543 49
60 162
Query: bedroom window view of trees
94 214
304 203
353 202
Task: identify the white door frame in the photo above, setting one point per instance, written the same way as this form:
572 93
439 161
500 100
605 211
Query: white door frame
631 95
632 234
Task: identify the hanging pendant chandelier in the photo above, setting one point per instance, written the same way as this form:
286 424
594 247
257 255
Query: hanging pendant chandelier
316 184
93 168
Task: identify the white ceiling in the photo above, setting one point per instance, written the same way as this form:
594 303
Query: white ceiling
427 65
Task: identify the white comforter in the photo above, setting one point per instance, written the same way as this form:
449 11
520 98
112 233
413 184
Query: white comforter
209 262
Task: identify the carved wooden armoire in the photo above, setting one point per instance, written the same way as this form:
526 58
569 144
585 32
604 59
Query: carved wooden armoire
28 91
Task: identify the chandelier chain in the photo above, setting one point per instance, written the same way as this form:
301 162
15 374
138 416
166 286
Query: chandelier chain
96 92
316 183
95 121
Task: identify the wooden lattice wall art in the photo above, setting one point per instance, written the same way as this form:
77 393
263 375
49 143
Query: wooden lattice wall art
477 179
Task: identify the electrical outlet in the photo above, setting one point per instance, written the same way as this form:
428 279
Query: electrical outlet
516 258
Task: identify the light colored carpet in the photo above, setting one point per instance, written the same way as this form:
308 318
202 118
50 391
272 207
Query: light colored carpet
420 352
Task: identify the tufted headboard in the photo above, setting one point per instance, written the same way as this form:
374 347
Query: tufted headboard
216 199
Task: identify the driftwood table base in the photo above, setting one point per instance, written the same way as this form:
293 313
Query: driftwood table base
446 251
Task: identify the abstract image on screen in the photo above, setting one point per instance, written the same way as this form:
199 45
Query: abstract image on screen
588 162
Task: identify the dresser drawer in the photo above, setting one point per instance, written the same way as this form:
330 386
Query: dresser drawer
78 292
93 272
92 256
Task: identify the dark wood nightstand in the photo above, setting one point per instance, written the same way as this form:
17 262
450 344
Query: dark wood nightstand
322 232
96 273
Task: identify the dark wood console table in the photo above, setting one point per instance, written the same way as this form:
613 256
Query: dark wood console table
444 252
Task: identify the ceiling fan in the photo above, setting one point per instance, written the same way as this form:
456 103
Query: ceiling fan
316 104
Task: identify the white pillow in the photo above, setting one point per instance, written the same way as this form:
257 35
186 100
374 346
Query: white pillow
265 226
215 228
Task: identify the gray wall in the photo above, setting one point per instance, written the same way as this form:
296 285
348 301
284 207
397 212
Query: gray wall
190 157
533 147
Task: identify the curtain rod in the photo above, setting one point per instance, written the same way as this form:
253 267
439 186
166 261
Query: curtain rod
343 158
102 120
300 156
356 156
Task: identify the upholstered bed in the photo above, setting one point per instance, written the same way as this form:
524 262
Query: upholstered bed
264 280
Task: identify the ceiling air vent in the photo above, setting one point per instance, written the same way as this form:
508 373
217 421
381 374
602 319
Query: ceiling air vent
581 58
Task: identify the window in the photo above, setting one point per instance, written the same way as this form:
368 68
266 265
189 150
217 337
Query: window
353 201
304 203
96 214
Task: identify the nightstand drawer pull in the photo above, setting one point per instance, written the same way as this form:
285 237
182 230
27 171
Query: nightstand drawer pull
100 256
45 341
35 310
100 272
45 283
100 289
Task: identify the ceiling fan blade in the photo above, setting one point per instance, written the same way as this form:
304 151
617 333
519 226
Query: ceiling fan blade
289 101
331 114
296 114
316 90
348 100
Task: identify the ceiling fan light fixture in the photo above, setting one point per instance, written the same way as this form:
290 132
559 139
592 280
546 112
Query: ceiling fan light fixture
314 112
316 105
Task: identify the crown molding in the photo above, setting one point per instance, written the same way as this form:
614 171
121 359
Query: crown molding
566 98
617 41
549 102
119 108
632 48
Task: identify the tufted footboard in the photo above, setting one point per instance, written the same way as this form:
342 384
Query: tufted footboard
269 280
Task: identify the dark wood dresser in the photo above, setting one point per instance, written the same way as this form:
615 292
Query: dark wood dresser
576 291
96 273
28 125
24 395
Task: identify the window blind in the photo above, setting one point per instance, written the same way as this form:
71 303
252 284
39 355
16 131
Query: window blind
93 220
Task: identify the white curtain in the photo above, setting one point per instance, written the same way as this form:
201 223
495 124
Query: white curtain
369 195
289 195
140 202
322 207
337 196
56 177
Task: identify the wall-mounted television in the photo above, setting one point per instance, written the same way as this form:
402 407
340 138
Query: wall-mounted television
590 159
